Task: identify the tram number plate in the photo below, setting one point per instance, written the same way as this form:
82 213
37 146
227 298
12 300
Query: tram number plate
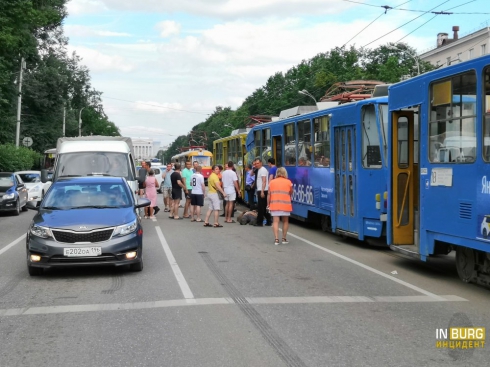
82 251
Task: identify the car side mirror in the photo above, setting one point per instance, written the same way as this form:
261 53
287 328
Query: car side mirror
142 202
44 176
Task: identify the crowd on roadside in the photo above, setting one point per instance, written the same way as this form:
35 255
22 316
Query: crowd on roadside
268 193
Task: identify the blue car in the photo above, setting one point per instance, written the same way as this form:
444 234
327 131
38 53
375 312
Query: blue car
13 193
86 221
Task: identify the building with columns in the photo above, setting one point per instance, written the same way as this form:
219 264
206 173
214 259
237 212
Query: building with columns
143 148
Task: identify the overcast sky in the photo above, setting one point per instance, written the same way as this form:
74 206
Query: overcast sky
164 65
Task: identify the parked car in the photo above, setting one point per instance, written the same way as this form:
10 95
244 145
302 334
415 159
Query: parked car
86 221
32 180
158 175
13 193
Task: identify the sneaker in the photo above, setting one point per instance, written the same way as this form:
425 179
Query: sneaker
276 242
156 210
285 241
166 210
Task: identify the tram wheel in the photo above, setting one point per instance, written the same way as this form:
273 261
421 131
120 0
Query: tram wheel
465 264
326 223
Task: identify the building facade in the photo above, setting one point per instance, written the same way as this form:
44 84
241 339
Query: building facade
143 148
453 50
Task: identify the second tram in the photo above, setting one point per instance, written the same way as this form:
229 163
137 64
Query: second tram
232 148
196 153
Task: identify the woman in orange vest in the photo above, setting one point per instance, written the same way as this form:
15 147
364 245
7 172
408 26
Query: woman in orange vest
279 203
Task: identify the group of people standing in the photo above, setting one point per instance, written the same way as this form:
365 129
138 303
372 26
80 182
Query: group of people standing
271 188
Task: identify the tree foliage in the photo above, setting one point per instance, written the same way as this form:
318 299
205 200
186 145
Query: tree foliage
54 82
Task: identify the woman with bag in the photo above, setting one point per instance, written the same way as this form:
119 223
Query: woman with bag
151 185
279 203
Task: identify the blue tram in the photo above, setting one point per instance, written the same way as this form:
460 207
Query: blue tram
336 159
439 166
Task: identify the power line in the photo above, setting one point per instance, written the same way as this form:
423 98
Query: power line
405 24
444 12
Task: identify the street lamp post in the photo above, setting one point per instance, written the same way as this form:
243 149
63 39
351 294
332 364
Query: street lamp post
80 122
394 48
306 93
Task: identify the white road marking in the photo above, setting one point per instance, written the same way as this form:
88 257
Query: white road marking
12 244
184 287
406 284
49 310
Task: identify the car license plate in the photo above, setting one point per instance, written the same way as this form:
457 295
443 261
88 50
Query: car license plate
82 251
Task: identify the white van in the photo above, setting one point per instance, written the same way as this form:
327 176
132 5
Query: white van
95 156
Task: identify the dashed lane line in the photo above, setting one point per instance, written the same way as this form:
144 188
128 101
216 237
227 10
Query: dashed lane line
396 280
184 287
12 244
27 311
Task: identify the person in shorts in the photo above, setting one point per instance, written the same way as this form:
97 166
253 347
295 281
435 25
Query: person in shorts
214 203
186 179
167 187
197 195
230 186
141 185
279 203
177 186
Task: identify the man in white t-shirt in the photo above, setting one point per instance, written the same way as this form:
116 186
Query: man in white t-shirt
230 187
197 194
262 184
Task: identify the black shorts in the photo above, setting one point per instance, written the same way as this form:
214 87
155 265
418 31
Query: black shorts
197 199
176 194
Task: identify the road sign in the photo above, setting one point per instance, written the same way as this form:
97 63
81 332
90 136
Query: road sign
27 142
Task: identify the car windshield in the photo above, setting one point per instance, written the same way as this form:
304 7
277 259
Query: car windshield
30 177
68 196
94 163
6 180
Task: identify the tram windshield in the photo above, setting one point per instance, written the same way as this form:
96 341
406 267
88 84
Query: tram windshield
202 160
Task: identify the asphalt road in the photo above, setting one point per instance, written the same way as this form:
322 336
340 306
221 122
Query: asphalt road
229 297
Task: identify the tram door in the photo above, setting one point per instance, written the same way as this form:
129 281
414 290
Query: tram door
277 150
345 178
403 178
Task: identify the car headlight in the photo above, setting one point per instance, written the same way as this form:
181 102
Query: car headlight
126 229
8 196
39 231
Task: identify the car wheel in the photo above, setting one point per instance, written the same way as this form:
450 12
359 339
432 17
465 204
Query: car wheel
485 234
17 207
137 266
33 271
25 208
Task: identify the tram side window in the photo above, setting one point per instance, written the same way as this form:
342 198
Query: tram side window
486 124
322 141
304 143
452 124
371 152
257 143
219 153
289 145
266 146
